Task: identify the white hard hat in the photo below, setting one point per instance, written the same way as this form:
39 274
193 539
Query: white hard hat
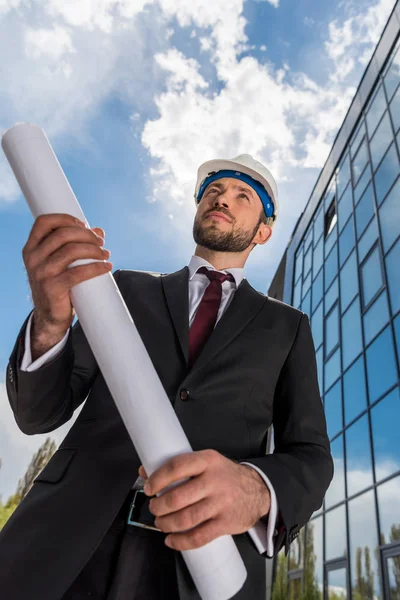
244 163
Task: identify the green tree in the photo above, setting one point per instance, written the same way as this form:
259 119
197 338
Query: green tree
279 591
312 590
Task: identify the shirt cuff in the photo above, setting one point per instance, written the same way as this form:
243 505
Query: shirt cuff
261 534
26 363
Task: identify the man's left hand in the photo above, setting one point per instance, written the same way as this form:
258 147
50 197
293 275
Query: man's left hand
222 497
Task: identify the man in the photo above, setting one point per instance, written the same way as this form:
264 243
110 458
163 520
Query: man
232 362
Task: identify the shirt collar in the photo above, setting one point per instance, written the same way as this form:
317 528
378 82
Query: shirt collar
196 262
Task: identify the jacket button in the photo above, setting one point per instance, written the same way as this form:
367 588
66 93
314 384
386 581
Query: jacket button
184 395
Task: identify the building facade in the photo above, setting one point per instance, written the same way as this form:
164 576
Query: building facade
342 268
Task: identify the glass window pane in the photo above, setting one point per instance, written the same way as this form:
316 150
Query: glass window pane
335 525
355 391
295 588
396 324
318 226
332 369
348 281
351 333
318 256
317 291
308 239
331 267
389 217
367 241
313 583
346 241
365 210
375 111
320 368
395 110
336 493
299 264
388 505
337 584
381 140
333 409
345 207
316 326
306 284
332 330
306 304
392 77
381 366
355 142
330 240
359 162
363 548
358 451
307 262
296 554
362 184
332 295
386 174
385 434
371 276
297 294
343 176
376 318
392 270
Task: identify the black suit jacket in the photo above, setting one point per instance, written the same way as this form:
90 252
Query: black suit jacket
258 368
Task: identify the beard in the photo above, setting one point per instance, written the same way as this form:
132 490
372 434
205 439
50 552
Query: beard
210 237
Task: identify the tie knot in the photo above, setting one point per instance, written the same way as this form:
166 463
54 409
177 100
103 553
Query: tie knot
216 275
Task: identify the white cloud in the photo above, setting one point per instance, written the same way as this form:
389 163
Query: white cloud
54 43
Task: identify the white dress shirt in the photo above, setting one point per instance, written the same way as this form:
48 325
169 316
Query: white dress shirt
261 534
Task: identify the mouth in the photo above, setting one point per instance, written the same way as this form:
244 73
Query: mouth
218 216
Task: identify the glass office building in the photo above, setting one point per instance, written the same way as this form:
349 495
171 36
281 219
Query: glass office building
342 268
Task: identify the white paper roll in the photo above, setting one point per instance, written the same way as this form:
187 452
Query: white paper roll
217 568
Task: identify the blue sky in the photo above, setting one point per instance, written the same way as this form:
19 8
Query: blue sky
135 94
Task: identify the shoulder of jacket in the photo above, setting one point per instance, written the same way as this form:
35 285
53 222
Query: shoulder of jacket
137 273
284 307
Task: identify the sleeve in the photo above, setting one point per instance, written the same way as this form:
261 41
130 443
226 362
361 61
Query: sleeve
263 534
26 363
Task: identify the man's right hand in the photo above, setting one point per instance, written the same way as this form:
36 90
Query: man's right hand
56 241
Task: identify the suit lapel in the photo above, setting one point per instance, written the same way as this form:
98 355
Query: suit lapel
176 290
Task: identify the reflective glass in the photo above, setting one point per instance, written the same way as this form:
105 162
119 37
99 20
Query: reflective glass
376 317
381 365
359 162
331 330
330 240
320 368
362 184
355 143
392 77
333 409
308 239
392 270
385 434
335 539
355 391
299 264
307 262
306 304
369 237
318 226
343 176
358 451
351 333
396 324
375 111
337 584
381 140
318 256
295 587
336 493
389 217
296 554
346 241
331 295
332 369
363 548
306 284
317 291
331 267
317 326
395 110
297 294
386 174
313 582
345 207
365 210
393 570
348 281
389 516
371 276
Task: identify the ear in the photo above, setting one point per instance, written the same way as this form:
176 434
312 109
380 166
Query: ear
263 234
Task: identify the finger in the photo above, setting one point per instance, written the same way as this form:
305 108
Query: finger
179 497
76 275
142 472
195 538
45 224
58 262
174 470
187 518
99 232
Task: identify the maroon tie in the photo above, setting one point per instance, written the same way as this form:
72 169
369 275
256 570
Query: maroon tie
207 312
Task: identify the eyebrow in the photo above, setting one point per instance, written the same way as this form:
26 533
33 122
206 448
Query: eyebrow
237 187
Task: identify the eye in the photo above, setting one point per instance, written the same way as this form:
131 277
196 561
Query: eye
245 195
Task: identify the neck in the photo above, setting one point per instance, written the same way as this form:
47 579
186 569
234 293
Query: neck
222 260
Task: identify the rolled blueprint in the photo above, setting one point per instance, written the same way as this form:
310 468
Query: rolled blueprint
217 568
